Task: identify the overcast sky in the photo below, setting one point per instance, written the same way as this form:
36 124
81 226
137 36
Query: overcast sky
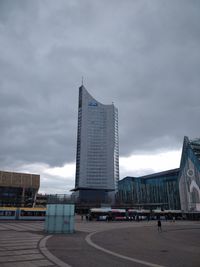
143 55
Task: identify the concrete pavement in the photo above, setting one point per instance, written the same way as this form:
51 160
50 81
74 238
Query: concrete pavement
20 248
101 244
129 244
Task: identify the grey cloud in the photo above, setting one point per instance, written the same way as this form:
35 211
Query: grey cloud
143 55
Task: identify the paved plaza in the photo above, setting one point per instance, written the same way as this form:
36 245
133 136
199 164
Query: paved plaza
98 244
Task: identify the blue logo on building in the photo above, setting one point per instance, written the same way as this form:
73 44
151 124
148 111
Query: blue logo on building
92 104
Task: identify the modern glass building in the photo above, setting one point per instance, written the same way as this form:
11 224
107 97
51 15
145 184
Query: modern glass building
189 176
158 190
97 157
173 189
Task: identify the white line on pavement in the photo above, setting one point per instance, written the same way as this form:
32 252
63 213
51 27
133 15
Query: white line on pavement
47 253
91 243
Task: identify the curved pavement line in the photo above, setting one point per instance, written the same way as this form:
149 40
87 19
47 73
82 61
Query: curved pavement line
47 253
91 243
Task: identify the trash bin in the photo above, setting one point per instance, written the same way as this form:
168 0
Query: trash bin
59 218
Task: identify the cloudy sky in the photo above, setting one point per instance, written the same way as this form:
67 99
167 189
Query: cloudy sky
143 55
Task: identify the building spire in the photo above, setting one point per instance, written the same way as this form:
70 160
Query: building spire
82 81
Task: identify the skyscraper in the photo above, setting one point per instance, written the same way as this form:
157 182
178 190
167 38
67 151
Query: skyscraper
97 158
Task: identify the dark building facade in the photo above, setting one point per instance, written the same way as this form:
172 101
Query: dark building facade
151 191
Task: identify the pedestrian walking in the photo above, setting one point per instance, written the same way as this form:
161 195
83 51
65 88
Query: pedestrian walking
159 226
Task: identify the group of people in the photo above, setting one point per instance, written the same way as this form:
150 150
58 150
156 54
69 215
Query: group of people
109 218
87 217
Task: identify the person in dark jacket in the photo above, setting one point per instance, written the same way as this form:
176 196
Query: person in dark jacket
159 226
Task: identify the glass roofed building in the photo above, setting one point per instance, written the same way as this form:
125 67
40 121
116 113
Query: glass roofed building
172 189
97 157
158 190
189 176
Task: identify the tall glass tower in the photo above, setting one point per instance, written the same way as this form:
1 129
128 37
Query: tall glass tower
97 158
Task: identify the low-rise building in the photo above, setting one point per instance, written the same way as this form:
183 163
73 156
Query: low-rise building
158 190
18 189
172 189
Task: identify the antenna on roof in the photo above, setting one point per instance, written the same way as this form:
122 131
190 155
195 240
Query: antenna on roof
82 81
